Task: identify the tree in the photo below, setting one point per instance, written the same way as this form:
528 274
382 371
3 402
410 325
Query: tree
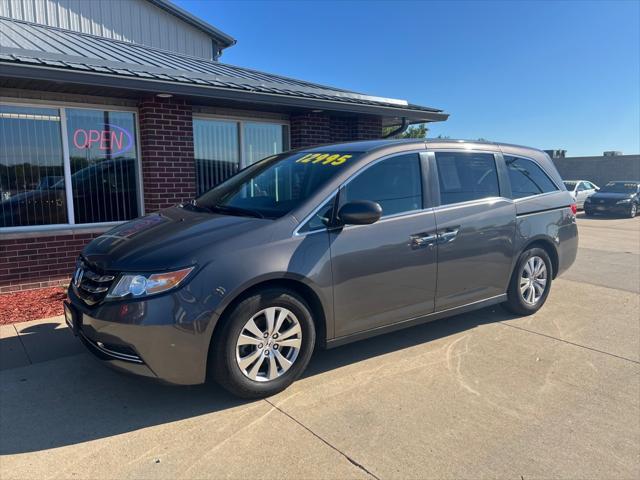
414 131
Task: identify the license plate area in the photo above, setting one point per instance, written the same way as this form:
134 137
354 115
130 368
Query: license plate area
72 318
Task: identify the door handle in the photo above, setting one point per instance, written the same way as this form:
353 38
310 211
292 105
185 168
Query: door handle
448 236
421 240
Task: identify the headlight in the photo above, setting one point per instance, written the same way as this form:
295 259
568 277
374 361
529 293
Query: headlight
150 284
626 200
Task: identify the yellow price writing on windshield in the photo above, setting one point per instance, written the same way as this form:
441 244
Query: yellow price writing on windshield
324 158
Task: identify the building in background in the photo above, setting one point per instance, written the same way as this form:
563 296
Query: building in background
609 166
110 110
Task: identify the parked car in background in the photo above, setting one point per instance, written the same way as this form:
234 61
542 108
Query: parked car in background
580 189
318 248
616 198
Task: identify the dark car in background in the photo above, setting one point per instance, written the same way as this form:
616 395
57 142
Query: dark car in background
318 248
615 198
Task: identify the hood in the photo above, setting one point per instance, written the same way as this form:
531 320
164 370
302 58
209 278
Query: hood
173 238
610 196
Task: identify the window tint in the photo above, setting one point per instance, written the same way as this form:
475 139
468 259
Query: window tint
394 183
320 219
465 176
527 178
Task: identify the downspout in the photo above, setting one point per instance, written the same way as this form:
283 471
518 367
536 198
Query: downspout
401 129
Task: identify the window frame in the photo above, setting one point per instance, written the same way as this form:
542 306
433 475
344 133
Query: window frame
504 187
240 121
427 201
544 170
62 108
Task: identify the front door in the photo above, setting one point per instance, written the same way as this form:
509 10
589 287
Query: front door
476 228
385 272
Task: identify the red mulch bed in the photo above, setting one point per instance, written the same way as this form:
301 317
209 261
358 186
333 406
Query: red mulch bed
31 305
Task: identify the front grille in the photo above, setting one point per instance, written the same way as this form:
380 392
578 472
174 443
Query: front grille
90 284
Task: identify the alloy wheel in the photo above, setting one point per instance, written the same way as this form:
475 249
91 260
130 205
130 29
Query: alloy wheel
533 280
268 344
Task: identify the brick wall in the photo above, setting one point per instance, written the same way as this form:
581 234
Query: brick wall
319 128
37 262
166 139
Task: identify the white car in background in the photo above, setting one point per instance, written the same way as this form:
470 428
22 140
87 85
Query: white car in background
580 189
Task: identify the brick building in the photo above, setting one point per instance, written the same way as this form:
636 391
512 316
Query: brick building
102 121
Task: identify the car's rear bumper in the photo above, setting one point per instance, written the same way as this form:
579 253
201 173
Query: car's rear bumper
155 338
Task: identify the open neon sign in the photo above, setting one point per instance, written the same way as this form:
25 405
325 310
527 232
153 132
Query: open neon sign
112 139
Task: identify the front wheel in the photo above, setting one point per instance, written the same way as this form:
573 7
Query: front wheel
530 282
633 211
264 345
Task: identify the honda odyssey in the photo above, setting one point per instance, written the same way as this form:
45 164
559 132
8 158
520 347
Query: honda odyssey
320 247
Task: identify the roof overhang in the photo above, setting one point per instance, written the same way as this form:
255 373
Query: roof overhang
246 97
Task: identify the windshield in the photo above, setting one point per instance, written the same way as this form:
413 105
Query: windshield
275 185
570 185
619 187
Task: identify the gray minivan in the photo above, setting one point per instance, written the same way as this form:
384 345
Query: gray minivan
319 247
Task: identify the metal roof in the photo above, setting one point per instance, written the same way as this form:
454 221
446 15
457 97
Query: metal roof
44 52
225 39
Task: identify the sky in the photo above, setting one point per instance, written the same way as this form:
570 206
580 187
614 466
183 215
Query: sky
547 74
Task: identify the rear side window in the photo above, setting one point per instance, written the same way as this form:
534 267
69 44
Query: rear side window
527 178
395 183
465 176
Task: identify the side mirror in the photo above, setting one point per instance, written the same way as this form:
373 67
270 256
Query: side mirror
360 212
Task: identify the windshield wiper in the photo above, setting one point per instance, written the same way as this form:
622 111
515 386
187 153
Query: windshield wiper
235 210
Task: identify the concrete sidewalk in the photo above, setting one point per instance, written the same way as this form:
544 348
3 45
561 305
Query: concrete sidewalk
38 341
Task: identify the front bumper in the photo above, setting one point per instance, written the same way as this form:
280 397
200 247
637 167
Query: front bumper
165 337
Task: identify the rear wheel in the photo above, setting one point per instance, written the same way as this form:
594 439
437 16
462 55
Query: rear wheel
530 282
265 344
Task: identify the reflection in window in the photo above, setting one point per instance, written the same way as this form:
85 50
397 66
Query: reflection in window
216 152
528 179
31 167
102 150
466 176
260 140
394 183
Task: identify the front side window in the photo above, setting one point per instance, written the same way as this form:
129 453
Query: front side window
222 147
395 183
276 185
466 176
101 158
528 179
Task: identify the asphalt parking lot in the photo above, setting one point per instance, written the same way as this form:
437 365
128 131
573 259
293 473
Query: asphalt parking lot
479 395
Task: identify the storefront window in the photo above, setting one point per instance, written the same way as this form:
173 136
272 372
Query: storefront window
32 189
216 151
260 140
100 154
219 153
102 150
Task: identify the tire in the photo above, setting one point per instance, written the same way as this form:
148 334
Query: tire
226 354
588 213
516 301
633 210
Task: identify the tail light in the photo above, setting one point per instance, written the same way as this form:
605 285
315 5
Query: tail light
574 208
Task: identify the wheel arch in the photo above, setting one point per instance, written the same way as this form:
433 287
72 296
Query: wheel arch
548 246
295 285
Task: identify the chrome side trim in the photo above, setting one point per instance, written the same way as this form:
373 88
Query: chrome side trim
117 355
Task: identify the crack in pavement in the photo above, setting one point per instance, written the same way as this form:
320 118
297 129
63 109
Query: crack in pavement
349 459
570 343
